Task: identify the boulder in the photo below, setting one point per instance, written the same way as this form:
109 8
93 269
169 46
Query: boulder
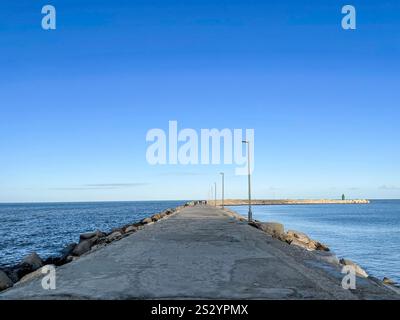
388 281
328 257
130 229
89 235
12 273
32 275
163 215
114 236
120 230
299 236
98 246
82 248
321 247
301 244
359 271
5 281
19 271
33 261
155 217
255 224
272 228
146 220
284 237
71 258
67 250
57 261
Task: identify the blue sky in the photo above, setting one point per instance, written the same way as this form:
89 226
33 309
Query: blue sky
76 103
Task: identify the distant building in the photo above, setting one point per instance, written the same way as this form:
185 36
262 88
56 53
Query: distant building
343 197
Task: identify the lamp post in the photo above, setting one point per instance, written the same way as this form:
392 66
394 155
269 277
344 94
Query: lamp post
250 213
215 190
222 196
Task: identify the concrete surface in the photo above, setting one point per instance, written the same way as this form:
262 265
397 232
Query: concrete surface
200 252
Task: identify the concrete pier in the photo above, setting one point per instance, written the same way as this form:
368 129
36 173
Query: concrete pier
199 252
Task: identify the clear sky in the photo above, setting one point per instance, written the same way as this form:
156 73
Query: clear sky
76 103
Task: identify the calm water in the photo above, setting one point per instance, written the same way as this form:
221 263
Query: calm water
368 234
47 227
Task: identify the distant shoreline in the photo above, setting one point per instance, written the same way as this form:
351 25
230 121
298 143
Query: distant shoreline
241 202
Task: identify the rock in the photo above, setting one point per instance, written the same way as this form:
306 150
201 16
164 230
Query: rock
163 215
328 257
97 246
21 270
299 236
388 281
130 229
359 271
12 274
89 235
82 248
312 245
114 236
5 281
71 258
272 228
67 250
146 220
301 244
33 261
155 217
57 261
255 224
321 246
33 275
284 237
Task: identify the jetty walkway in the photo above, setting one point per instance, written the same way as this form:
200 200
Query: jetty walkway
199 252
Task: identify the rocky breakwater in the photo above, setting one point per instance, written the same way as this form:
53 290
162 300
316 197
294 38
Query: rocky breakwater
31 266
303 242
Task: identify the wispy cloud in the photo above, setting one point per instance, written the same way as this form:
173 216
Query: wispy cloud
103 186
180 174
115 185
389 187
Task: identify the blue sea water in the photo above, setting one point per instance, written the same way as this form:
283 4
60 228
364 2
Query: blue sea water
368 234
48 227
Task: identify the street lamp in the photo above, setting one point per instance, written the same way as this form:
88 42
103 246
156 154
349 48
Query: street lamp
215 190
250 214
223 178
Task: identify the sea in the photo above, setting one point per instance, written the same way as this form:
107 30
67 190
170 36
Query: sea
368 234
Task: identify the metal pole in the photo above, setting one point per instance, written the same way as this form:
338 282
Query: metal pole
250 213
215 189
223 178
248 166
